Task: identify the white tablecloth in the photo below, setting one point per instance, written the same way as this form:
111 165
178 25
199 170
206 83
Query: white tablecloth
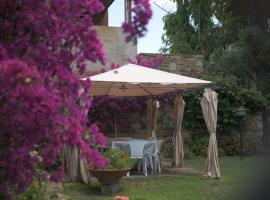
136 146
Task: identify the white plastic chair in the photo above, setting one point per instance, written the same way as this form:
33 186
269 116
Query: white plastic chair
156 156
157 159
148 153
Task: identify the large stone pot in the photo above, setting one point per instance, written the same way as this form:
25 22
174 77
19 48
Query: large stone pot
109 179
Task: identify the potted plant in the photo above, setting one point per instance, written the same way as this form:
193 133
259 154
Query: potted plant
109 177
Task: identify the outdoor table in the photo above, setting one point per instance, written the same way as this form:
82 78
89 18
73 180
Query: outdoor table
136 146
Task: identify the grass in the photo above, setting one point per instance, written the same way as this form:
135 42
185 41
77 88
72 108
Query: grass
235 174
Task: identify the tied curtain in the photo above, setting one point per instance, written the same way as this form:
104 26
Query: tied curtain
178 151
209 103
75 165
152 114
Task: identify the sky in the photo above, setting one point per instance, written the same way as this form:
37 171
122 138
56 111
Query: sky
151 42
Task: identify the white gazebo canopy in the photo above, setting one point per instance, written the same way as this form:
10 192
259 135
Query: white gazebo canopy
135 80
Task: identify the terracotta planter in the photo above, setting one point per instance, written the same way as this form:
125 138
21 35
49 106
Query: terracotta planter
109 178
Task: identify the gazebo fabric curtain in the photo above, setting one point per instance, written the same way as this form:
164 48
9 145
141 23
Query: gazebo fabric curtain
75 165
152 114
178 152
72 168
85 176
209 103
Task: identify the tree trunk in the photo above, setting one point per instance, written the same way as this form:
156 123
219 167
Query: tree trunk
266 128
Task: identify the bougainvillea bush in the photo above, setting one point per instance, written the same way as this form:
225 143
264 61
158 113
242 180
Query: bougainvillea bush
43 104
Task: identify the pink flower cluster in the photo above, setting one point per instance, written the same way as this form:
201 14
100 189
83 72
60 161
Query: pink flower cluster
154 62
142 13
43 104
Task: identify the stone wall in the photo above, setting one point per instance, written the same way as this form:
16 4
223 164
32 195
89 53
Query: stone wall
118 51
184 64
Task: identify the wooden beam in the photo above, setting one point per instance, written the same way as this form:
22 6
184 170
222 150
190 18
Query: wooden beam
128 11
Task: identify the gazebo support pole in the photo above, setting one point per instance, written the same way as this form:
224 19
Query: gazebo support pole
115 127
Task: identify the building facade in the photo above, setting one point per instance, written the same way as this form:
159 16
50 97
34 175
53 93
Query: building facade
117 51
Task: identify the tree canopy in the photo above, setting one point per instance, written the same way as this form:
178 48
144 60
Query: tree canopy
199 26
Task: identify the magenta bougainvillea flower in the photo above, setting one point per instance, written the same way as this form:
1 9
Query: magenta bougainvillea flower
141 14
43 104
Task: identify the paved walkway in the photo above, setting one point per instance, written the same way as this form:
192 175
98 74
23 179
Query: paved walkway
167 170
184 171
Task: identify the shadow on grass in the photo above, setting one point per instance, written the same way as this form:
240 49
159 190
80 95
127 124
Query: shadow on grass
82 190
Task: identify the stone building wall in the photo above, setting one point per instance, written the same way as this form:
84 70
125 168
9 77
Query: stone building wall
184 64
116 49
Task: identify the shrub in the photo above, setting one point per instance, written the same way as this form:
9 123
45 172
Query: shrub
199 146
188 154
230 144
167 148
35 192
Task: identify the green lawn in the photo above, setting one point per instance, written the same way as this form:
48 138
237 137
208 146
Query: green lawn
235 176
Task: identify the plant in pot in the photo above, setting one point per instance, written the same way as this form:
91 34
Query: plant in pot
119 164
